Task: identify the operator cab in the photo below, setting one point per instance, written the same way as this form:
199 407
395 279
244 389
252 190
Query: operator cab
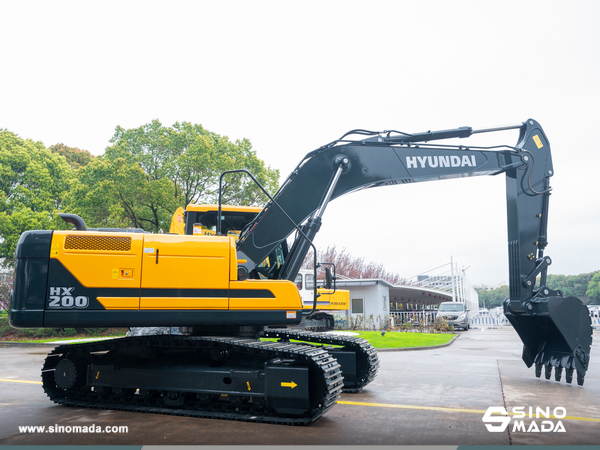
202 219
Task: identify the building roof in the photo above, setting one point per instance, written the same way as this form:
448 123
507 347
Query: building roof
402 293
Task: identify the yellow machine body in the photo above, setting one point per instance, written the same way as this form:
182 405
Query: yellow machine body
328 299
332 301
177 222
150 275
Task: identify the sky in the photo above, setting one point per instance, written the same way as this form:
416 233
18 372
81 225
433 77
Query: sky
292 76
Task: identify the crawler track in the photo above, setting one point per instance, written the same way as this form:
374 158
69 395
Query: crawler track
78 390
366 362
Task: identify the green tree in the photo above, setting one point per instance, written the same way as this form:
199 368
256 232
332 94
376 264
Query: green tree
150 171
581 286
193 158
493 298
33 184
571 285
593 290
114 193
75 157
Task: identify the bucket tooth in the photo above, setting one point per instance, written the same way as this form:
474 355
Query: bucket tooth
547 371
580 378
558 373
538 370
569 375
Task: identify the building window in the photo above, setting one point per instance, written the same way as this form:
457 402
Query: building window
358 306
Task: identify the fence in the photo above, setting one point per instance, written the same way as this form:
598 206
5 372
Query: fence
427 318
423 318
418 317
485 320
392 321
489 321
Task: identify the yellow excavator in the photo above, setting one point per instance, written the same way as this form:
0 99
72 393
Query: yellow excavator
224 296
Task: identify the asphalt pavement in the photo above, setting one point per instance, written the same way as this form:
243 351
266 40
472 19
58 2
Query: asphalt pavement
435 397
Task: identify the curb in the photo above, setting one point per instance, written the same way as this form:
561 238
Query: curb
53 343
409 349
26 344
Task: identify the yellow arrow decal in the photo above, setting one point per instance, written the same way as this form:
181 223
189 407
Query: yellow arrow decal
290 385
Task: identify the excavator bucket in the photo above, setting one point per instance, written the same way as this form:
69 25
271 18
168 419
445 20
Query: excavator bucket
556 332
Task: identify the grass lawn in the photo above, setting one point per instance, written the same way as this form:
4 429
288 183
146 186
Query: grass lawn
399 339
403 339
43 335
392 339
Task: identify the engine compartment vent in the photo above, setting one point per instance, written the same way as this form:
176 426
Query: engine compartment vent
99 243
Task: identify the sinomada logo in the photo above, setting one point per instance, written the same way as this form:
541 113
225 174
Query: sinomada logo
544 420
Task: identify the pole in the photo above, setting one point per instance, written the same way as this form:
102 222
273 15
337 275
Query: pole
453 280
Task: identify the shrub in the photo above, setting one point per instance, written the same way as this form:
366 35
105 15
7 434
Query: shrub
392 323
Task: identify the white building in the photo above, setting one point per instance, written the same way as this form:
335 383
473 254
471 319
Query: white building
378 298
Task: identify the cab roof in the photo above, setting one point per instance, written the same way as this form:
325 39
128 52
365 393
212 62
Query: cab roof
206 207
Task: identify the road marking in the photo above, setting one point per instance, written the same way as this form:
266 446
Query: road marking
441 408
384 405
20 381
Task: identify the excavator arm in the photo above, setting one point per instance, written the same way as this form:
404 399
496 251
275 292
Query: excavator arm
556 331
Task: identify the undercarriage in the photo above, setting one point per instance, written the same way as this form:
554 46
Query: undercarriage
214 377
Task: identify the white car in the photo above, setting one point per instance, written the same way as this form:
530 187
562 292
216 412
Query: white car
455 313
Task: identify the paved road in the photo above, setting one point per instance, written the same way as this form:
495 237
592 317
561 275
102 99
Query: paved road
430 397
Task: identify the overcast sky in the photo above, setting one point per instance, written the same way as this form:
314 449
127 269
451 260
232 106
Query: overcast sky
292 76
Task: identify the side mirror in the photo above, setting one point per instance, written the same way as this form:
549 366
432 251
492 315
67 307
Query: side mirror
328 279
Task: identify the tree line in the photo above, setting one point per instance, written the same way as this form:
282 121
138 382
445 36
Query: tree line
349 266
585 286
140 180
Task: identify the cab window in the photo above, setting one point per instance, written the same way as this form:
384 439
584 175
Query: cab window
298 281
310 281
